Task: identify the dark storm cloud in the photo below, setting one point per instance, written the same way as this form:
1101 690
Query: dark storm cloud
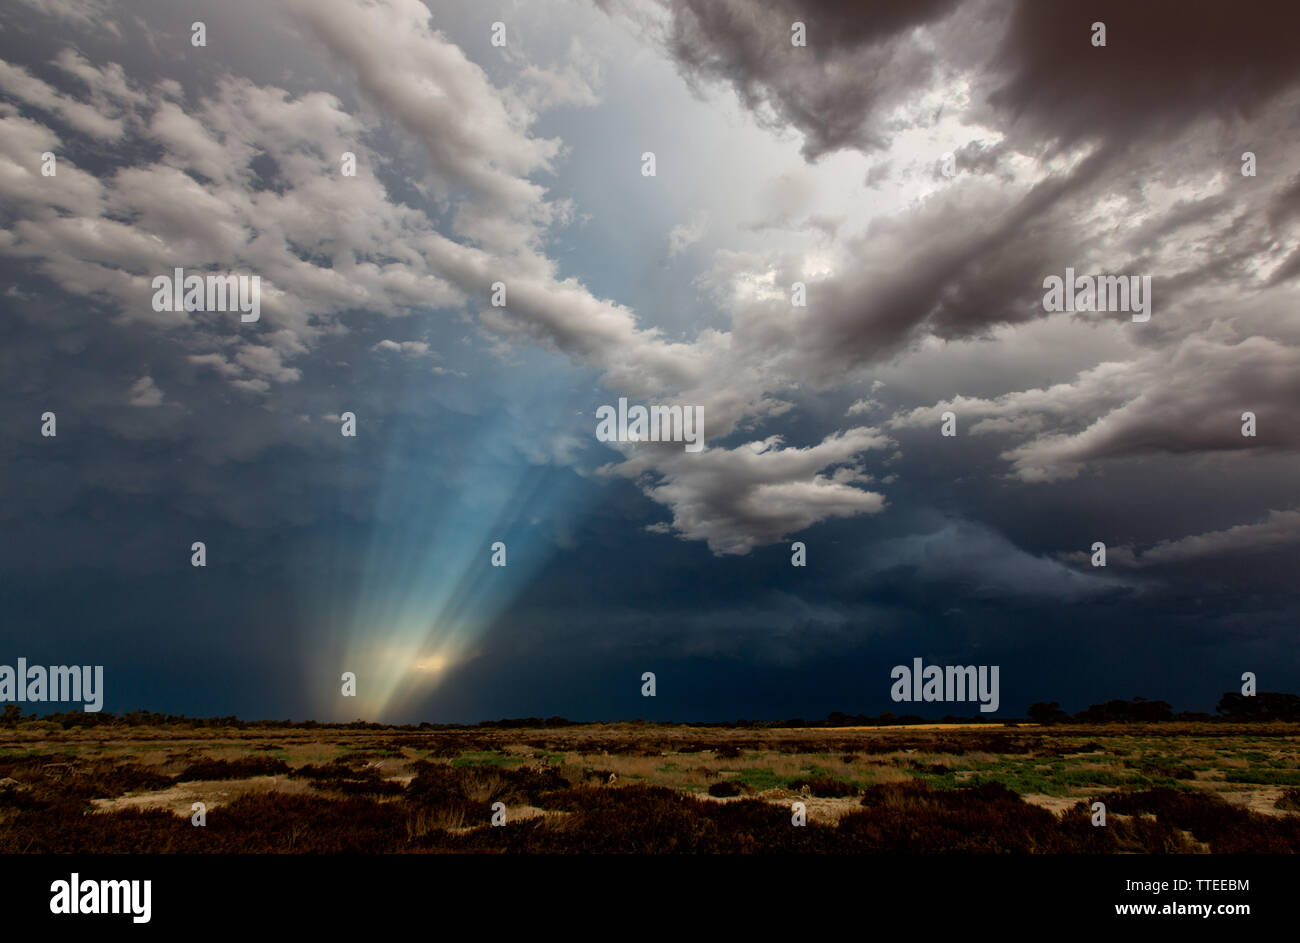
1183 401
1183 213
955 266
1286 205
1166 63
976 562
1280 529
979 157
859 60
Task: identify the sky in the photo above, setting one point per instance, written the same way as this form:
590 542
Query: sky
920 170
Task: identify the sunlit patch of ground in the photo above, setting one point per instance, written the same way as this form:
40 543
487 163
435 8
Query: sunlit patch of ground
1054 804
180 799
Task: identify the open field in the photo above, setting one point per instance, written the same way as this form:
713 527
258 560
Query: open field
1171 787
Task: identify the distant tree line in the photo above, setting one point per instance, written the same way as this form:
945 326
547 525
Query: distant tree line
1232 707
13 715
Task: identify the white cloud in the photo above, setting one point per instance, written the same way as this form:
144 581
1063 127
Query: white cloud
1190 399
21 84
755 494
684 235
405 348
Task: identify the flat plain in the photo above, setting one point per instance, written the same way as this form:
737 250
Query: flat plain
651 788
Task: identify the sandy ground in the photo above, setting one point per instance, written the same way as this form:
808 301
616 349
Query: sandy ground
179 799
1054 804
824 811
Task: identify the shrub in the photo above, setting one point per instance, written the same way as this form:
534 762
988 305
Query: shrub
342 776
1226 828
910 818
242 768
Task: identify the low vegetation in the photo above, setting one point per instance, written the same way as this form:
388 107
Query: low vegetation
1169 787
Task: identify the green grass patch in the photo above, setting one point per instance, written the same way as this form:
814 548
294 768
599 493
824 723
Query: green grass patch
1264 777
760 779
946 780
497 760
819 771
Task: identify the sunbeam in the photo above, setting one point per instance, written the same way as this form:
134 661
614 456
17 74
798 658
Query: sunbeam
428 588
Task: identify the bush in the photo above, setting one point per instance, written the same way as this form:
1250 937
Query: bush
446 785
632 819
343 776
911 818
1226 828
242 768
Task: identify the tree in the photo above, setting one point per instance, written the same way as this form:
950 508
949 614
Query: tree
1264 706
1047 713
